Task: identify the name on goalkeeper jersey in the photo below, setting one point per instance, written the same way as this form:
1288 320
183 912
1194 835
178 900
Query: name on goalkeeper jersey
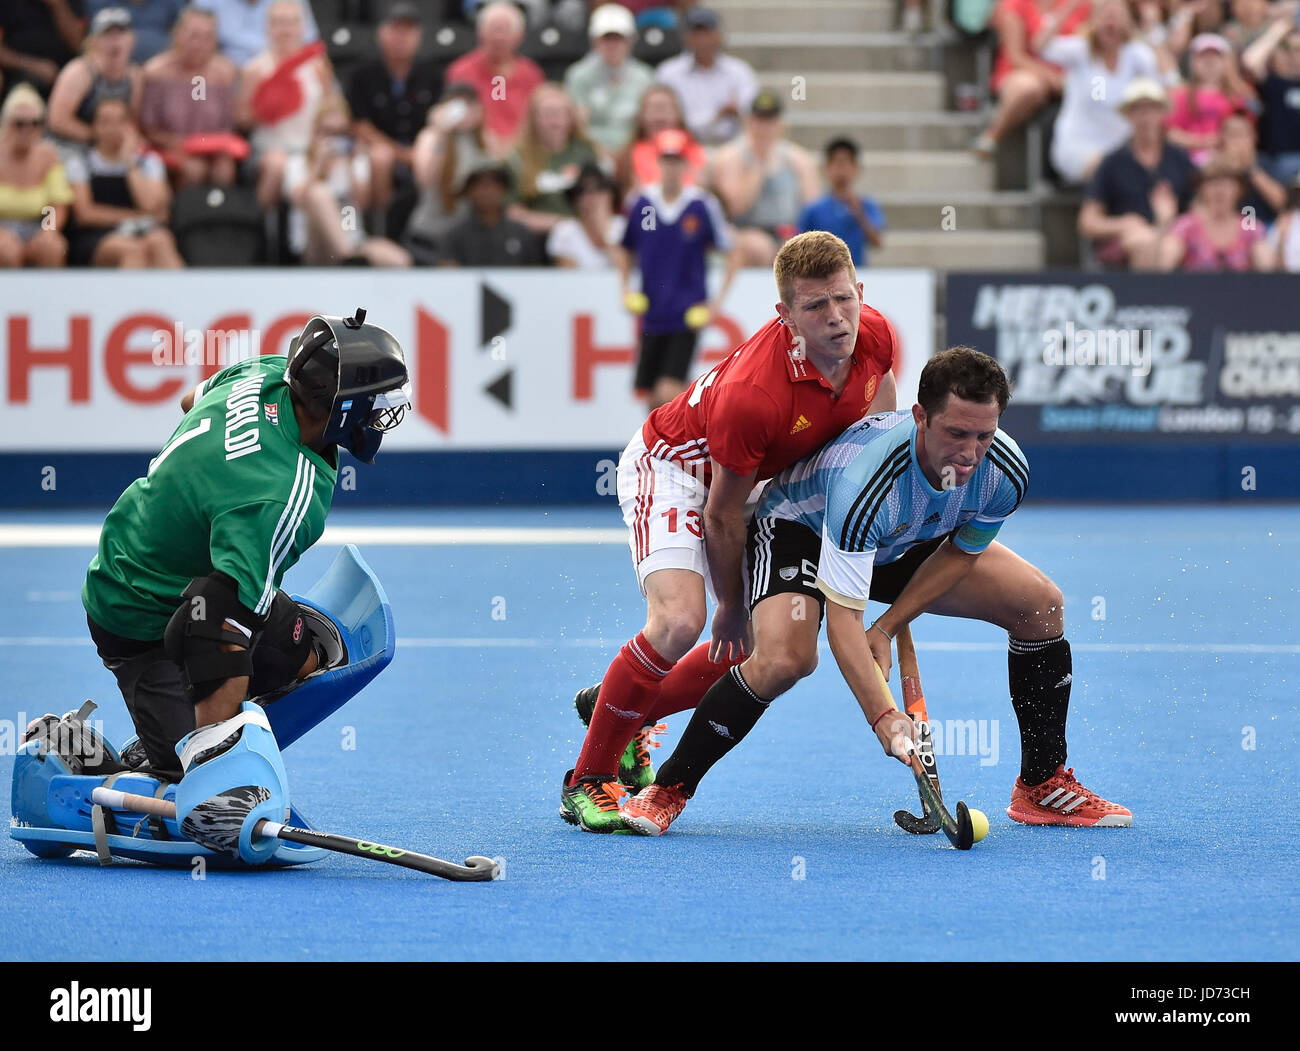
243 417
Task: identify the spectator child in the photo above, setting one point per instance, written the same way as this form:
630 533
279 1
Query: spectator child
855 219
1199 107
120 197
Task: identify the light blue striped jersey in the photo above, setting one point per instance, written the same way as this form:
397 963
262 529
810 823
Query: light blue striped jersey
865 492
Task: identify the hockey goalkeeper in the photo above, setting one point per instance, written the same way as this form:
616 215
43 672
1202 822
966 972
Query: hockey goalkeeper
182 598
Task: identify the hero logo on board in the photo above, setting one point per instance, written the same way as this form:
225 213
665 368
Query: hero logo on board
129 352
1066 345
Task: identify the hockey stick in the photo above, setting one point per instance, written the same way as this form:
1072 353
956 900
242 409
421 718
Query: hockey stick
914 703
960 832
475 868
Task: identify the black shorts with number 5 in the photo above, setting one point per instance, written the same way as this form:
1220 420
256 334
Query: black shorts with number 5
783 556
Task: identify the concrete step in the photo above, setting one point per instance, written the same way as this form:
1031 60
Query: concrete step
834 51
936 171
960 250
969 211
883 130
813 16
898 92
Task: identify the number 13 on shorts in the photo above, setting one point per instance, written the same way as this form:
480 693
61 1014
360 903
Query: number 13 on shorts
691 521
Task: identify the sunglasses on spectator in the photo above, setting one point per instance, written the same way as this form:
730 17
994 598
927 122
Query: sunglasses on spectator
27 122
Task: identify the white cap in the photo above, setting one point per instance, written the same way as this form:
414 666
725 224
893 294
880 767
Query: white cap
612 18
1143 89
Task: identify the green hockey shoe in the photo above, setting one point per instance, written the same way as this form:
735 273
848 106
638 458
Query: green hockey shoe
592 804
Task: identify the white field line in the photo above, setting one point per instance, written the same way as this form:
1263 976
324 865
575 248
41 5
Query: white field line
37 534
525 642
84 535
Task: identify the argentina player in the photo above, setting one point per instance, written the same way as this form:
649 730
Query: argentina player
901 509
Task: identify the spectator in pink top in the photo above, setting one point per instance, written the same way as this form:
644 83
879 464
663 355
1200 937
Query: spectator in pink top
1214 92
505 79
1213 234
189 90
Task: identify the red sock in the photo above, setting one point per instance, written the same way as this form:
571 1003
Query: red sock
689 680
627 695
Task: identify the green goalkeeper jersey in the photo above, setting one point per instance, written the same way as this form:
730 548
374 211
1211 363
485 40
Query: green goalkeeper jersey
234 489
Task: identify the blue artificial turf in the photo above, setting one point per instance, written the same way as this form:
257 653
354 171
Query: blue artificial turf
459 748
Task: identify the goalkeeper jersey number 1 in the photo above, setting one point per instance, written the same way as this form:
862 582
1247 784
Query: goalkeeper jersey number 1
234 489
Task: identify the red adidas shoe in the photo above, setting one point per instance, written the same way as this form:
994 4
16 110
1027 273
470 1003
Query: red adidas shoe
654 808
1061 800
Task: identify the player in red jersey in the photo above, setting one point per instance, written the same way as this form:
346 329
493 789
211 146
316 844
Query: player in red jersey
683 484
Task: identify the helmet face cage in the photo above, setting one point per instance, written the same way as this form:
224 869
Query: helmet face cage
389 409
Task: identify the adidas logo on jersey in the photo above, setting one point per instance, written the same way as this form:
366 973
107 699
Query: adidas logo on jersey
933 518
801 424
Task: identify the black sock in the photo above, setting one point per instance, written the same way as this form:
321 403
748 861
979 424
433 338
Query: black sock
1039 674
724 715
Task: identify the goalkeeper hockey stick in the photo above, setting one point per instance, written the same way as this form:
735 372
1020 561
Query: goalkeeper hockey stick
475 868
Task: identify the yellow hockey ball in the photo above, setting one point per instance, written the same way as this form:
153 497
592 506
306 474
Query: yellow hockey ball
697 317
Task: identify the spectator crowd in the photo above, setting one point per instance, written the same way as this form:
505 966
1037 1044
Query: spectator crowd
1178 119
124 122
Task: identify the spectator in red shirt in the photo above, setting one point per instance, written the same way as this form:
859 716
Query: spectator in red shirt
1023 82
505 79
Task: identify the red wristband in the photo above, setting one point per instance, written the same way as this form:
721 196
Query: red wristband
881 716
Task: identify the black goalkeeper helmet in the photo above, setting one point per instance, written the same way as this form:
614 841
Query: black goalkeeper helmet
353 373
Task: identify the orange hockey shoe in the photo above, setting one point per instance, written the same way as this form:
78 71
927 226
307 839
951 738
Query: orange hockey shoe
1061 800
654 808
